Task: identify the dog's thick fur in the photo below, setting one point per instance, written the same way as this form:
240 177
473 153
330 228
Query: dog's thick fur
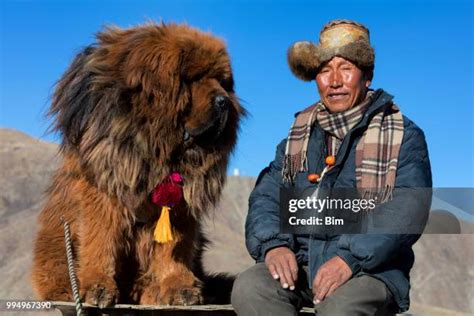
132 108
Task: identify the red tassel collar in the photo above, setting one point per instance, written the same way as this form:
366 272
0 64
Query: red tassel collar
169 192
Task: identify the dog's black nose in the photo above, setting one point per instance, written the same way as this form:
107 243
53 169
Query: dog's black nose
221 102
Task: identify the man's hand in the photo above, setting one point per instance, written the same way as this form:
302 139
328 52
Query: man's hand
329 277
281 262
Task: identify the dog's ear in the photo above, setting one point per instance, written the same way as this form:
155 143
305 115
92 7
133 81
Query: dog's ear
203 55
145 59
72 105
158 76
92 113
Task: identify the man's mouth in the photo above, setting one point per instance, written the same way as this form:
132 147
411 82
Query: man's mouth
335 96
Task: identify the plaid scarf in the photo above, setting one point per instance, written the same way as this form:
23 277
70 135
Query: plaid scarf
337 125
376 153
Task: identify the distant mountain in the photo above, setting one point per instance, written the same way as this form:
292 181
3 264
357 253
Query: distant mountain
442 279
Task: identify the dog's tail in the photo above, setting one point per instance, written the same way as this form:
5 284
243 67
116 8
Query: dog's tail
217 288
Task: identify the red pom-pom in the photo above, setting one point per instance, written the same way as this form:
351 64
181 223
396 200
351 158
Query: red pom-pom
175 177
170 192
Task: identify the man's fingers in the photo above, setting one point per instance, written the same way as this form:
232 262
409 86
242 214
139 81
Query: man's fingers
331 290
288 274
281 263
318 285
281 273
317 282
322 291
293 268
273 271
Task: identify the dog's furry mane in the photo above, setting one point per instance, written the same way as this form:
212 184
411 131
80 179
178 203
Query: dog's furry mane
122 94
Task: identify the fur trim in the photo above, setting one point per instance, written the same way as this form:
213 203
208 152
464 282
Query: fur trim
303 61
305 58
359 52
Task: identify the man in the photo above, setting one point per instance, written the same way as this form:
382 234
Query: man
353 138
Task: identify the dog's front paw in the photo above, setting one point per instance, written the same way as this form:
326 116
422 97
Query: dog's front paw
100 290
182 296
172 295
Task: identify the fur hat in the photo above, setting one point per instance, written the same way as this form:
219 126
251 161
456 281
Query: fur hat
344 38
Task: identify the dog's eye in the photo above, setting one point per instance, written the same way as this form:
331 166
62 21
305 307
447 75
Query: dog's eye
227 84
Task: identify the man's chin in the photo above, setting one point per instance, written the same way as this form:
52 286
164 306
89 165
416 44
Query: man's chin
337 107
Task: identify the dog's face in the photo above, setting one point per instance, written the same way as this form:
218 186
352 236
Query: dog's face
210 105
147 101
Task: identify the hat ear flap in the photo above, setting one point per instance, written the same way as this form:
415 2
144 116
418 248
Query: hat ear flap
360 52
303 60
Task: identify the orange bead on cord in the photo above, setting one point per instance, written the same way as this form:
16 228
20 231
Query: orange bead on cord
313 177
330 161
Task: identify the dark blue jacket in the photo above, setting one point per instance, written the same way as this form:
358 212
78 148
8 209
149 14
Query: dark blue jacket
388 257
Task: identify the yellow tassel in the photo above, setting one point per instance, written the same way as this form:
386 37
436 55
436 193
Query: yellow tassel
163 232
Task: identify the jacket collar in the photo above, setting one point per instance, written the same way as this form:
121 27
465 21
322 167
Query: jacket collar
380 99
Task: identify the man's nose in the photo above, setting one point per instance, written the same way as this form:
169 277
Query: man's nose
336 79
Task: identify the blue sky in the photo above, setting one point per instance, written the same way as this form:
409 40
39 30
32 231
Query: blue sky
424 57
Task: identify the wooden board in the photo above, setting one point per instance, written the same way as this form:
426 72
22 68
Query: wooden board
69 309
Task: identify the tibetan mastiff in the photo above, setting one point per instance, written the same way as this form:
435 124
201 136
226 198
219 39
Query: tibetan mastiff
137 106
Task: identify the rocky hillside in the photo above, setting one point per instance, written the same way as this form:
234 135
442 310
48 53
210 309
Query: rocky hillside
442 279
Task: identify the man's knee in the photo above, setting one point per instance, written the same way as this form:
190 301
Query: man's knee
251 283
359 296
338 307
255 292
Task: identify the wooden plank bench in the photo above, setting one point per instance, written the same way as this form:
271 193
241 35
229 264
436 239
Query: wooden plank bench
69 309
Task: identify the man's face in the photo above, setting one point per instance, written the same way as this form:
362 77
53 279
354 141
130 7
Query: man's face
341 85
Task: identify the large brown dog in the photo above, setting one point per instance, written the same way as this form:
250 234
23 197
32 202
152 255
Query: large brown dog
138 105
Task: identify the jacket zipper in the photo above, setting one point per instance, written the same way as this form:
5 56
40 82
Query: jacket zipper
342 148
